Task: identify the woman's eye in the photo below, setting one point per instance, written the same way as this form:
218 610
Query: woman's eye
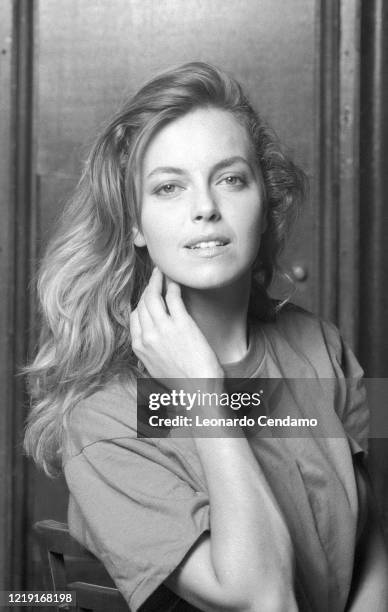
167 189
234 181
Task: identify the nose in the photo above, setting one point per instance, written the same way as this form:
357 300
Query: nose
205 206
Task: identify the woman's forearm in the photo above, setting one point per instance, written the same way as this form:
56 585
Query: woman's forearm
251 551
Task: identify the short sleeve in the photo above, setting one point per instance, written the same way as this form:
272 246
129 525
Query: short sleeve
138 504
351 405
138 517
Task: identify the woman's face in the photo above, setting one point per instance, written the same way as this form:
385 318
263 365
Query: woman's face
202 209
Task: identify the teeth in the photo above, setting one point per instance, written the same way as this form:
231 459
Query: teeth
207 245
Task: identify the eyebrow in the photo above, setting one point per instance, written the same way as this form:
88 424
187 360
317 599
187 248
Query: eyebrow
223 163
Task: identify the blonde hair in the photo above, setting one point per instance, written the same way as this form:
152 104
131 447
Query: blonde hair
92 275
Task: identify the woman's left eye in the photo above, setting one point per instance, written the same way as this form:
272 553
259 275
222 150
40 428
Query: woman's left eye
233 180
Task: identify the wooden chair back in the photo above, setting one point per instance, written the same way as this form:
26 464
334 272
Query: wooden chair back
68 566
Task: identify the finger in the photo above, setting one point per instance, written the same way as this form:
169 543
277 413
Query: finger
174 300
153 298
145 319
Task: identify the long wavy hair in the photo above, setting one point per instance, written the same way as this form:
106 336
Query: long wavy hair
92 275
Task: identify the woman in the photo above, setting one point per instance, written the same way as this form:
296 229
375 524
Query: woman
160 267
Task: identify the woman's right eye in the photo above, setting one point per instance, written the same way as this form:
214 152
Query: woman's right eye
167 189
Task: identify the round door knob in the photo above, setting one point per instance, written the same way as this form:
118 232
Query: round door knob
299 272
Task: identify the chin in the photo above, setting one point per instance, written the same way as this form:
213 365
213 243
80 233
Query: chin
208 282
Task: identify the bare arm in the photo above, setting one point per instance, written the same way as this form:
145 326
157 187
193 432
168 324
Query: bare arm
246 563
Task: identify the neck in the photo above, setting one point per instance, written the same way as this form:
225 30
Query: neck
221 314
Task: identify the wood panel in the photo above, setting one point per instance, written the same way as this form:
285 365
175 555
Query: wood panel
338 152
24 235
327 153
102 51
348 226
374 190
373 329
6 292
16 21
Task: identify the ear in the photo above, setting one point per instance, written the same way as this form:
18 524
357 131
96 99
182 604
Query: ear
138 238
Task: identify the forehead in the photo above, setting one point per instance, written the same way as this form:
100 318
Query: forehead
202 136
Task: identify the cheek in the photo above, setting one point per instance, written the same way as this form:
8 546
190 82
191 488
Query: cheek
159 240
250 226
161 227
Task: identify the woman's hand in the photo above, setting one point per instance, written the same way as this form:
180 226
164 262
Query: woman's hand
166 338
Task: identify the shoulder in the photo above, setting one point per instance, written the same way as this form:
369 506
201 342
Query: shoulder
307 346
313 339
303 328
108 413
296 322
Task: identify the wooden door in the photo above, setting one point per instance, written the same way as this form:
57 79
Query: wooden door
297 60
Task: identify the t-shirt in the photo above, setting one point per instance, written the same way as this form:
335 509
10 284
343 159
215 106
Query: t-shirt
139 504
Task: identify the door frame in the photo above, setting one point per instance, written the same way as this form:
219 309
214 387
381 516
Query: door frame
17 236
